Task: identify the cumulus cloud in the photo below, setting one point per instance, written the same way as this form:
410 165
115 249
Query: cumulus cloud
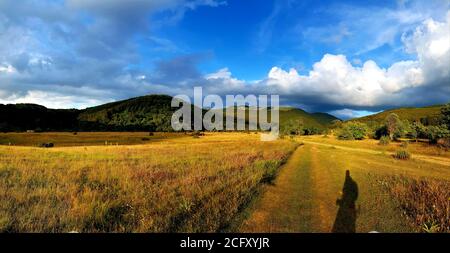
334 82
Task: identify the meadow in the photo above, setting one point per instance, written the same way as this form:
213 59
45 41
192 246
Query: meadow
67 139
180 184
219 182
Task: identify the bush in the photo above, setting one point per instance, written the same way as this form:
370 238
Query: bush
345 134
353 131
437 132
402 155
384 140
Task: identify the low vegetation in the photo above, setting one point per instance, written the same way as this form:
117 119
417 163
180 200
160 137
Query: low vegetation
384 140
425 203
402 155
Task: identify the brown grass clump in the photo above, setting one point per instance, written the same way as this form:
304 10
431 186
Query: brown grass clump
426 203
402 155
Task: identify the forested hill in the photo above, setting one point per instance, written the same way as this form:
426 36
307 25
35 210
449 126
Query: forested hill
146 113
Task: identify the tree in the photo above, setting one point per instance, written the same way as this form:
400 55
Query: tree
292 127
445 111
393 125
353 131
437 132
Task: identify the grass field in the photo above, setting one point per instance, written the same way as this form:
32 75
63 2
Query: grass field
66 139
179 184
219 182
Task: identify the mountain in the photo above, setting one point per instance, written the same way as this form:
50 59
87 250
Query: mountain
146 113
428 115
23 117
324 118
309 120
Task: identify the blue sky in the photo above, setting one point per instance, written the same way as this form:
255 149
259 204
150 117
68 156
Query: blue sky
349 58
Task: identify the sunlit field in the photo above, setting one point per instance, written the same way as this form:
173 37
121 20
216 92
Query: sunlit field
219 182
313 194
64 139
180 184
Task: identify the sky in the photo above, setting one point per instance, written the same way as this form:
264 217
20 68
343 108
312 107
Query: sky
348 58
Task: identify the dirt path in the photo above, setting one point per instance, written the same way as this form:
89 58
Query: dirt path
426 158
306 193
302 198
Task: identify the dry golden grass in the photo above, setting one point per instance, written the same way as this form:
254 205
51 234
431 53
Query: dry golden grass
177 184
425 203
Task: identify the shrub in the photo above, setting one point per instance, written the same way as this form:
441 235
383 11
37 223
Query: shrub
402 155
380 131
151 134
353 131
384 140
292 127
345 134
437 132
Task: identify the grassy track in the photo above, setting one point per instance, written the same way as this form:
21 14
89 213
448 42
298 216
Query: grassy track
286 206
306 194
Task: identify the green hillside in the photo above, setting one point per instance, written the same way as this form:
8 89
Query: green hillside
292 116
319 120
147 113
428 115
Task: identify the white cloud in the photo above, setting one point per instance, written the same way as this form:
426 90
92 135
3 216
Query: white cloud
53 99
335 81
221 73
7 68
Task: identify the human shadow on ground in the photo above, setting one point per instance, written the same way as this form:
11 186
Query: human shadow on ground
345 221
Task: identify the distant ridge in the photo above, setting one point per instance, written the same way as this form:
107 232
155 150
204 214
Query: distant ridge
428 115
153 113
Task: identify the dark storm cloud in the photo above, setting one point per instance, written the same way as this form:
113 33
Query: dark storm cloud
60 47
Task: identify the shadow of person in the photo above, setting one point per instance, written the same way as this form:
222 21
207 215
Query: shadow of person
345 221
